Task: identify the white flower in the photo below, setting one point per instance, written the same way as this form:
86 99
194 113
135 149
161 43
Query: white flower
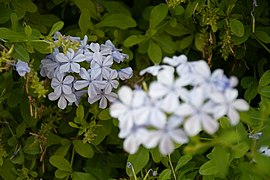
70 61
103 97
63 98
62 84
110 81
166 137
196 113
125 73
154 70
227 104
176 60
22 68
100 66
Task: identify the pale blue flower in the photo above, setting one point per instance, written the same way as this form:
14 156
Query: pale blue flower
125 73
109 48
101 66
111 82
62 84
103 97
166 137
22 67
84 47
87 80
70 61
63 99
154 70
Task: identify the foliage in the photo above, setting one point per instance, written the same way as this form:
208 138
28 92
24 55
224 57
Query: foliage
39 140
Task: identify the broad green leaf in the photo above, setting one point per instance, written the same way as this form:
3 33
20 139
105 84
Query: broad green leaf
251 92
165 174
31 146
239 40
84 20
20 130
138 160
12 36
81 4
62 151
262 36
83 149
28 31
265 91
61 163
14 21
56 27
186 42
208 168
248 81
42 46
179 10
114 7
166 43
265 79
18 158
156 155
221 159
102 129
133 40
5 14
178 30
6 170
199 41
80 112
239 150
61 174
21 53
29 6
82 176
183 161
158 14
237 27
104 115
121 21
154 52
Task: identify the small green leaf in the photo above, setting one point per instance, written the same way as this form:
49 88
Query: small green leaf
154 52
208 168
158 14
56 27
61 163
251 92
138 160
186 42
121 21
28 31
165 174
265 91
21 53
5 14
221 159
72 124
237 27
62 151
42 46
14 21
183 161
133 40
199 41
84 20
104 115
239 150
20 130
114 7
265 79
61 174
262 36
80 112
82 176
83 149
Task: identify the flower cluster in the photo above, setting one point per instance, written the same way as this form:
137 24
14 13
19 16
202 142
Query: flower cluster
77 68
185 99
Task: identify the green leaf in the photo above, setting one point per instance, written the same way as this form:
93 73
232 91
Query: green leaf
138 160
183 161
20 130
265 91
12 36
251 92
237 27
56 27
165 174
154 52
80 112
62 151
262 36
61 174
83 149
42 46
265 79
81 4
199 41
61 163
28 31
104 115
84 20
240 40
114 7
5 14
186 42
190 9
82 176
133 40
14 21
21 53
121 21
29 6
166 43
208 168
221 159
156 155
158 14
239 150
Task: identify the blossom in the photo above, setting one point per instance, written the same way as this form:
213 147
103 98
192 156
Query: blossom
227 104
62 84
110 81
154 70
84 47
100 66
63 99
103 97
70 61
109 48
196 113
166 136
50 65
88 80
125 73
22 67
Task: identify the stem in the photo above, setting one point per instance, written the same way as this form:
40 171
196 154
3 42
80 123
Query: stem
268 50
170 162
72 156
133 172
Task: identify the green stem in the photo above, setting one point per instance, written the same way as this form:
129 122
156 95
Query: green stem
170 162
268 50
